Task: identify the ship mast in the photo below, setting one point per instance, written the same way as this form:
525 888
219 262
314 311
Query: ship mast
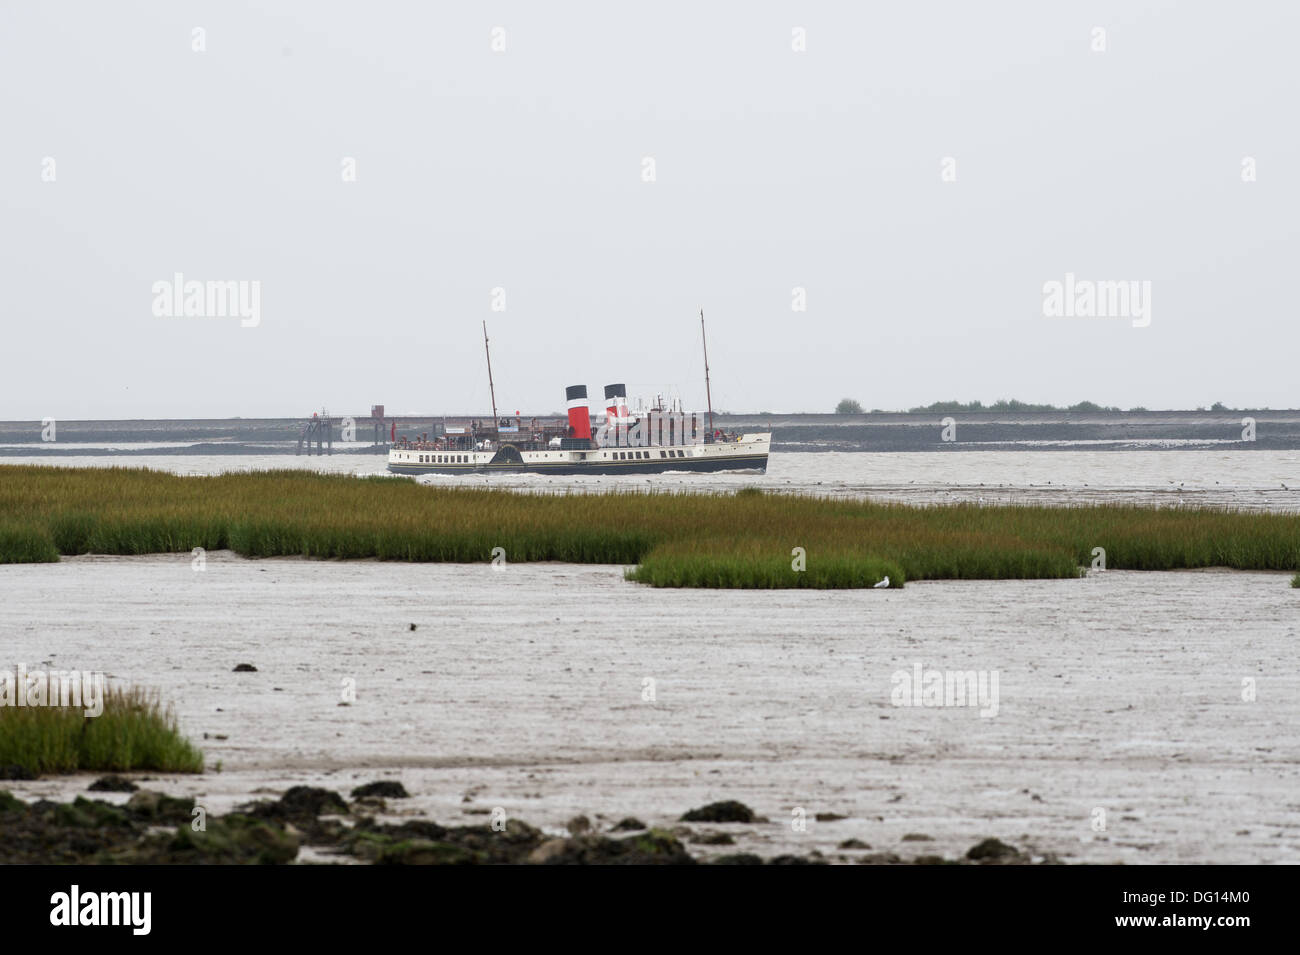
707 391
492 388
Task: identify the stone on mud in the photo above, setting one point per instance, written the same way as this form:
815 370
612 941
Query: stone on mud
727 811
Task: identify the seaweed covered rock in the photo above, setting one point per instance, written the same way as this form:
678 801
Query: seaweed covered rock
714 839
82 831
233 839
300 803
991 850
87 831
11 803
813 859
382 789
112 783
654 847
423 852
156 807
421 842
727 811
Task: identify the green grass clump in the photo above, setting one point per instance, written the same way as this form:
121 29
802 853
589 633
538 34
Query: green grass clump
26 543
741 539
748 566
134 732
1295 581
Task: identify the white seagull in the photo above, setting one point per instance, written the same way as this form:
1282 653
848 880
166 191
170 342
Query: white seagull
883 583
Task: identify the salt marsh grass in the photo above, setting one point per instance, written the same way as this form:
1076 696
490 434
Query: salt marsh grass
26 542
135 731
676 539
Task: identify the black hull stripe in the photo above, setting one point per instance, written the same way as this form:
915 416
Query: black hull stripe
753 462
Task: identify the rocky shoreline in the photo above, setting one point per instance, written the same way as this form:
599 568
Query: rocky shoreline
310 825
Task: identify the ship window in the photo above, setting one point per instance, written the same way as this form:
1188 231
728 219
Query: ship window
662 455
640 455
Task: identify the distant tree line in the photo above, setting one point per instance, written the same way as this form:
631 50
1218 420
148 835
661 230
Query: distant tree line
849 406
1008 404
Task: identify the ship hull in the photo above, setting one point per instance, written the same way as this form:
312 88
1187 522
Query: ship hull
755 465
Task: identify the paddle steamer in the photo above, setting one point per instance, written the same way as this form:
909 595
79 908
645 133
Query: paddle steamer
655 440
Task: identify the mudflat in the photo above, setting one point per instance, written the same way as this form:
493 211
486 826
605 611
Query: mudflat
1164 700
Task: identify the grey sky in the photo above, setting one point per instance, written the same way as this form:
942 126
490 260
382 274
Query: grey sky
522 169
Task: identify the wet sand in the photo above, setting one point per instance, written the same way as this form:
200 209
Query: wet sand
523 689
